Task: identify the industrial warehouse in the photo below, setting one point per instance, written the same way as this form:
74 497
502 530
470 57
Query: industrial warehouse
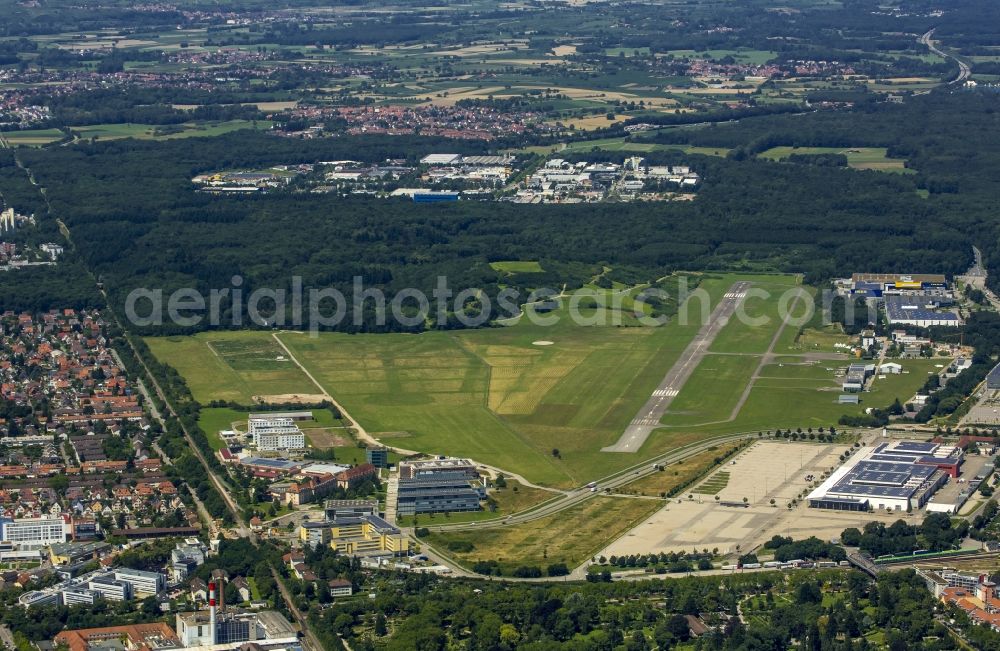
893 476
922 300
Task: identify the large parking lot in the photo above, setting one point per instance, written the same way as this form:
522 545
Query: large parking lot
766 471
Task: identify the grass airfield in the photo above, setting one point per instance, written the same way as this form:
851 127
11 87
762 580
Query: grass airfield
512 396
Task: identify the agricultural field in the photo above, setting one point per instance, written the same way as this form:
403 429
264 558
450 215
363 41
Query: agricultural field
859 158
756 57
156 132
571 536
30 137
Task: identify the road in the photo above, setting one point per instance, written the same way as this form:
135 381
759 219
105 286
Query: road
310 641
963 68
359 430
309 636
241 527
976 277
650 414
7 638
576 496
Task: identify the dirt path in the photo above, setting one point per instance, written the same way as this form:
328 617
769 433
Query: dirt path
359 430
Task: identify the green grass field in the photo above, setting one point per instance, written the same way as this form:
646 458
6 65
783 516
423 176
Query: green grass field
713 484
233 366
859 158
491 394
517 266
795 387
508 397
31 137
793 391
150 132
571 536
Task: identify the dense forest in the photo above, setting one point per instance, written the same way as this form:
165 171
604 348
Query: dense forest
750 214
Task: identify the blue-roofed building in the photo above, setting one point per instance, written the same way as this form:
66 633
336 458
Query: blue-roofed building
867 289
917 311
895 476
434 197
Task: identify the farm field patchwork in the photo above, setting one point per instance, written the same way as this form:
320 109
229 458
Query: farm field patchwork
31 137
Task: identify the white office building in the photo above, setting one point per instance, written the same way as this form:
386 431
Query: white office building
111 589
276 433
145 583
33 531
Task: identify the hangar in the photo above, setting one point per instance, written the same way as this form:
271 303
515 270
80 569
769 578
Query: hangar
900 310
895 476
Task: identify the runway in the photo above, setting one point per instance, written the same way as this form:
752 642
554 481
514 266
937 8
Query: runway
650 414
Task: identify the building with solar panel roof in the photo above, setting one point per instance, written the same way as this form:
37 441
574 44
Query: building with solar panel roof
891 476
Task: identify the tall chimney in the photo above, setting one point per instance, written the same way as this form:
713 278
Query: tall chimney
211 611
221 594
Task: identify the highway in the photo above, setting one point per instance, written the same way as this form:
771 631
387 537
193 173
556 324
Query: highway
963 68
652 411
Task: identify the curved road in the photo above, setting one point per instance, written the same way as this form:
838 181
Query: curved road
616 480
964 71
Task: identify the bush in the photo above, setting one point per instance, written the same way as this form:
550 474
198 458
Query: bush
527 572
557 569
462 546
